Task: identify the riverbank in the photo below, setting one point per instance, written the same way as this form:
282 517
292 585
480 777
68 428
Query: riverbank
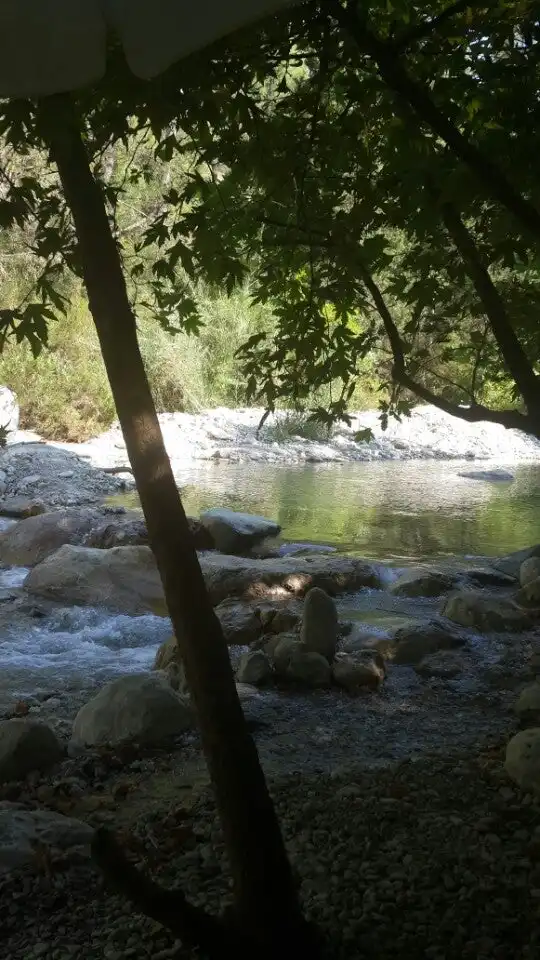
231 435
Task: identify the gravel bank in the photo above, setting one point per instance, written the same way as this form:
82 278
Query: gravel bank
437 859
231 435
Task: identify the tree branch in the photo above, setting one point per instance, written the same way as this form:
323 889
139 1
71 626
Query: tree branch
427 27
512 352
415 96
169 907
475 413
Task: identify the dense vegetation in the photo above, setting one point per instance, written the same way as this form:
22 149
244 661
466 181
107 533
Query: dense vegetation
294 200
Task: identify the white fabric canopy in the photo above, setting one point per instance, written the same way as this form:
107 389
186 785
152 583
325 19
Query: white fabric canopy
50 46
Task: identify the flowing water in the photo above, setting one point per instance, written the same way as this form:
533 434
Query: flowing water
395 511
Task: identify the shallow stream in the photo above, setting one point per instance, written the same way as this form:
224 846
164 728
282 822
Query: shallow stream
395 511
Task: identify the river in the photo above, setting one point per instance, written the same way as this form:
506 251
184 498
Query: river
400 511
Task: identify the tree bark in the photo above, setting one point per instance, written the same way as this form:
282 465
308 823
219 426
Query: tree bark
265 897
417 98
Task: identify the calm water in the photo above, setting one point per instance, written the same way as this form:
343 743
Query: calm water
383 510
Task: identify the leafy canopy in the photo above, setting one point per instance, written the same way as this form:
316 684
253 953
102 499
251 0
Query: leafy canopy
373 175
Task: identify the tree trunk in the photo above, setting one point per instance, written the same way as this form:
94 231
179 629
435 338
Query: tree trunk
265 897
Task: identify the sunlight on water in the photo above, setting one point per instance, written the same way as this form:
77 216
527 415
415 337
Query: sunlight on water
385 510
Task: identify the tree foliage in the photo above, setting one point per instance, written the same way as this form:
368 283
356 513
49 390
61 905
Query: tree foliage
377 179
373 175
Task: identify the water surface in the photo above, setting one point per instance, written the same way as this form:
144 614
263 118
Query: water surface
381 510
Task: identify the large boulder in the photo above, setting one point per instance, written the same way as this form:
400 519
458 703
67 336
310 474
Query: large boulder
20 508
319 630
522 762
32 540
236 532
293 663
283 577
423 583
23 831
240 622
26 745
529 570
142 708
126 579
254 668
415 641
485 612
129 530
308 668
360 672
511 563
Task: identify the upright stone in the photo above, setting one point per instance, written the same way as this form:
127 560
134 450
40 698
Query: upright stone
319 630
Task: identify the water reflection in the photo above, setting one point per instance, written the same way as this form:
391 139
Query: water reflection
381 510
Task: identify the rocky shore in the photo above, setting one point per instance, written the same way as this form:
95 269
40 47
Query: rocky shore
411 822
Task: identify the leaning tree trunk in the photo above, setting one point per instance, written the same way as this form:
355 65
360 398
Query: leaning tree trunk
265 897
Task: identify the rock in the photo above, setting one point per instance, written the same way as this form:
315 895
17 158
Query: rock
9 410
490 476
511 564
416 641
140 708
236 532
308 668
355 673
303 549
529 570
319 630
488 578
444 665
26 745
527 706
23 831
32 540
422 583
254 668
280 649
485 612
522 762
20 508
241 623
360 641
228 576
118 532
124 579
282 618
529 595
130 530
